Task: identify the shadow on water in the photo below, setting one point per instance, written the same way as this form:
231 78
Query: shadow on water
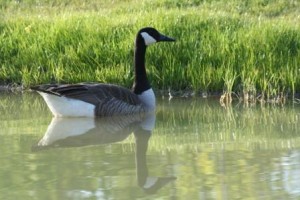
79 132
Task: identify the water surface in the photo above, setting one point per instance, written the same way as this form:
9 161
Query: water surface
188 149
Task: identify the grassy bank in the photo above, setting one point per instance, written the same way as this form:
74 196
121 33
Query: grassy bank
251 48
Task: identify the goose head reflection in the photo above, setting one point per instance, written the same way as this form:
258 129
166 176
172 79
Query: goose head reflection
77 132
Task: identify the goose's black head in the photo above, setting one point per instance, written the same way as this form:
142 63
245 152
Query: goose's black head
150 36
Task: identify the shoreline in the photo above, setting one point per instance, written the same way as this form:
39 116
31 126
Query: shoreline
11 88
185 94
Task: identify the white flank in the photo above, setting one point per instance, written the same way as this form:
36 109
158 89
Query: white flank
65 107
148 99
61 128
148 39
150 181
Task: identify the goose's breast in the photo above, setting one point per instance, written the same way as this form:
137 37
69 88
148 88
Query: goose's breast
148 99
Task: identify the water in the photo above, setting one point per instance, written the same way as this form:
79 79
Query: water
190 149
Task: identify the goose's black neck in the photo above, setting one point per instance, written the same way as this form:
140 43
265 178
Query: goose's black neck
141 82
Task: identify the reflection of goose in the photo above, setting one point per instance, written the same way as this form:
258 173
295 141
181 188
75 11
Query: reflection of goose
106 99
68 132
74 132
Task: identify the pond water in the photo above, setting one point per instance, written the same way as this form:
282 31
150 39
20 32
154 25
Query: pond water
189 149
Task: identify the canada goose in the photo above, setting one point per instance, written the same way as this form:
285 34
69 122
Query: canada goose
89 100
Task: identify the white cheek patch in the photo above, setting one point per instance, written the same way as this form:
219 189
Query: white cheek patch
148 39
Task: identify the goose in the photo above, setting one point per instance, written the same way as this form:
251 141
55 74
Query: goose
100 99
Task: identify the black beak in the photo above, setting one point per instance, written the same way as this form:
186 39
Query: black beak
164 38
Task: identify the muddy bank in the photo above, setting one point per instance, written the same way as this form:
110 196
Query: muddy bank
219 95
11 88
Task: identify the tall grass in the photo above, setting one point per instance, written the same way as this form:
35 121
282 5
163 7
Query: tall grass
248 47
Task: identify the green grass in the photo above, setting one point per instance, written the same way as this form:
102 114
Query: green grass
246 47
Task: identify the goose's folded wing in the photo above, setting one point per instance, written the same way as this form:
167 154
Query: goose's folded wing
91 93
